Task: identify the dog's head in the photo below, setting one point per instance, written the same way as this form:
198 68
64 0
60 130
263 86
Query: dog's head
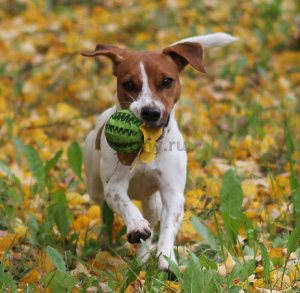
148 81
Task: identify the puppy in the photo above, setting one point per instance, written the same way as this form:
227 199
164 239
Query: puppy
148 85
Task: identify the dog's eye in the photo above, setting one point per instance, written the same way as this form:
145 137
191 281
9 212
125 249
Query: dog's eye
128 86
167 82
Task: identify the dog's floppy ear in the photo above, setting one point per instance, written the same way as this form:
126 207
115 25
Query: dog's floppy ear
115 54
186 53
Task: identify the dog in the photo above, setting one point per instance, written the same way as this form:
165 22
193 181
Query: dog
148 85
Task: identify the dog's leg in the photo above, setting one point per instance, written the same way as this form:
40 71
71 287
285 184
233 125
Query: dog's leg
115 193
91 159
171 217
172 181
151 211
118 200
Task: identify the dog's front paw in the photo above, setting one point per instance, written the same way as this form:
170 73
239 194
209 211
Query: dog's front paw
137 233
163 265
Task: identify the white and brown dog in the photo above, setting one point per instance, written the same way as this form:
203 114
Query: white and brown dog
148 85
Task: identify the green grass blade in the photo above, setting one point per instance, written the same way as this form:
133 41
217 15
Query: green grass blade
193 276
58 280
204 232
231 195
56 259
296 200
207 263
75 158
61 220
248 269
108 220
132 274
250 230
7 281
240 63
295 187
52 162
211 281
4 168
19 146
292 244
175 269
35 164
291 149
265 261
231 198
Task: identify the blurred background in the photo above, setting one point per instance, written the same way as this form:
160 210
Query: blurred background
242 114
50 94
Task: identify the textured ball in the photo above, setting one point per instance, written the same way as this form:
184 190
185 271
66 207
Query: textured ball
123 132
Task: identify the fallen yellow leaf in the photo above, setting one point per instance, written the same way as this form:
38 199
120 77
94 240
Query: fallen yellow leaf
93 212
64 112
21 230
294 273
187 228
33 277
3 106
226 267
74 199
82 221
280 280
6 241
277 252
249 188
171 287
45 262
197 199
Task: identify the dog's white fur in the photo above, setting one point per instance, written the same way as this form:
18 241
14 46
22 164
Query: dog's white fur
210 41
145 98
159 185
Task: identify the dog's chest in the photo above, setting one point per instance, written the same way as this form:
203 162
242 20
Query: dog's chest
142 185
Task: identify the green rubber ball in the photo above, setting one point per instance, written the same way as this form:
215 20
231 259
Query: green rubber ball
123 132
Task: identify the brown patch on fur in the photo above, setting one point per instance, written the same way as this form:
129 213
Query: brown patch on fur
115 54
159 64
127 159
187 53
98 138
159 173
177 217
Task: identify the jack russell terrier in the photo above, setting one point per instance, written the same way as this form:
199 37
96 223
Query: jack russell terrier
148 85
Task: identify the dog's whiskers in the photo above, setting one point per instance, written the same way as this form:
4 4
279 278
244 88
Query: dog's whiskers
130 97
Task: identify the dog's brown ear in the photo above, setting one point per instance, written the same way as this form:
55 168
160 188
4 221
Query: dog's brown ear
187 53
115 54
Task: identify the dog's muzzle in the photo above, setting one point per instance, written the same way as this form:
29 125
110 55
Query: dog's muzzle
150 114
163 129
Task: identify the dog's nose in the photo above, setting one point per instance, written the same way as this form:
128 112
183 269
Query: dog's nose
150 114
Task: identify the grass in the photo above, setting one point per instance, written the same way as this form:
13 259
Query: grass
240 123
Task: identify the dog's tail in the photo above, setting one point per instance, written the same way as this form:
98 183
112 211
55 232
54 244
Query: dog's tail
210 41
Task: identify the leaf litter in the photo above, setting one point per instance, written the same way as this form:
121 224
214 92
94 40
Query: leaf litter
240 119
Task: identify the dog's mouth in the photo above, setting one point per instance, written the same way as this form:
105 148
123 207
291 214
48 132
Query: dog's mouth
162 123
164 129
157 124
